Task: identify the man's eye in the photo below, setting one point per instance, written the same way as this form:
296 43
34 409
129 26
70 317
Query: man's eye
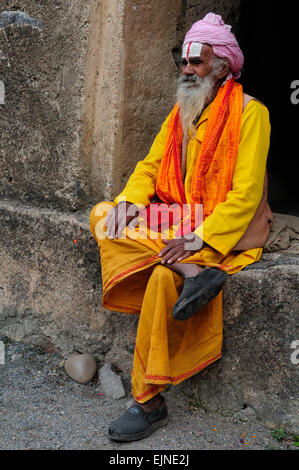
195 61
184 62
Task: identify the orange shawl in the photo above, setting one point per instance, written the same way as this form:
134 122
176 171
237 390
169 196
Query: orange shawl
214 169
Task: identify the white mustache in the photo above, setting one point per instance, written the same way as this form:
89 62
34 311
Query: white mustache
194 79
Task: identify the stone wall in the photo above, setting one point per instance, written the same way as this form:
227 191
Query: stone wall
136 93
43 67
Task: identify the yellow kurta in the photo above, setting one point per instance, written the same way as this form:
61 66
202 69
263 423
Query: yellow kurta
134 281
229 221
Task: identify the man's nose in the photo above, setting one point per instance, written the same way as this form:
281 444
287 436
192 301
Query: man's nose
188 70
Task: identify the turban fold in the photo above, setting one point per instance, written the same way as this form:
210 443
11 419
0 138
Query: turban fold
213 31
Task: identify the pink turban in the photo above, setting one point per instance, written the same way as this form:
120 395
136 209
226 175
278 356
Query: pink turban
213 31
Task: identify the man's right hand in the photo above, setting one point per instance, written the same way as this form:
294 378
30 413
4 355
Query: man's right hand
118 218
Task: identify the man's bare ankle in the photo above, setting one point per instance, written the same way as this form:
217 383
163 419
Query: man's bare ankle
152 404
186 270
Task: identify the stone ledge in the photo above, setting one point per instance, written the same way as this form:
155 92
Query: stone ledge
256 371
51 296
50 283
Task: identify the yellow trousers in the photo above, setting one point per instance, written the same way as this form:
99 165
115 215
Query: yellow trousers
134 281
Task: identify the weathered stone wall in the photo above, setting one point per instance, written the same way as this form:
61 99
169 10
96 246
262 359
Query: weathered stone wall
43 67
149 81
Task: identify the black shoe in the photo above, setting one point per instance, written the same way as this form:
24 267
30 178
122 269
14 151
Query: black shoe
198 291
136 424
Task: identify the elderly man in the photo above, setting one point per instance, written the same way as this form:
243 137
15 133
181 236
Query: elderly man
211 154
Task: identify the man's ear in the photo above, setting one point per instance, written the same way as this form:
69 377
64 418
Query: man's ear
225 69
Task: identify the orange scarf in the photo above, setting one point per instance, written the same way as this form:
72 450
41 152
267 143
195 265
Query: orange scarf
213 174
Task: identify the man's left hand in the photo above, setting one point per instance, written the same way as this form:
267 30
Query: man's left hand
179 249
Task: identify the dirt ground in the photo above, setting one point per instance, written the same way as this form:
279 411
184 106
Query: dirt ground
42 408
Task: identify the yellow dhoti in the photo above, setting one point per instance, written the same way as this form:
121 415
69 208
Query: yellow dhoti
134 281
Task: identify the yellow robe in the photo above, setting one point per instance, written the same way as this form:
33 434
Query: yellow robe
134 281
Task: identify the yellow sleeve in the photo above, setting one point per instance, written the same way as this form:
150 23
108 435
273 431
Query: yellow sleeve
223 229
141 186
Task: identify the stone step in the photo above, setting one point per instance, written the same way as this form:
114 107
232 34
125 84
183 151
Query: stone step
50 282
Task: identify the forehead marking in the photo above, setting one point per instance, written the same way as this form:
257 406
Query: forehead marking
192 49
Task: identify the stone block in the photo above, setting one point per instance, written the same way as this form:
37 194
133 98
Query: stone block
50 284
256 370
44 156
134 89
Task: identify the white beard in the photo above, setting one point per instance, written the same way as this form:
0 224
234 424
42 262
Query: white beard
193 93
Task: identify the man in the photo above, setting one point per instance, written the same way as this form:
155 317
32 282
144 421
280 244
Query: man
211 153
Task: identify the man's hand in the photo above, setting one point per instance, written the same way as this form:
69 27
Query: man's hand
179 249
119 217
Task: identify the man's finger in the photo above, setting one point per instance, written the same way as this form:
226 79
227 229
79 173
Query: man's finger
110 218
173 244
113 226
174 258
166 241
165 250
111 213
185 255
120 229
170 254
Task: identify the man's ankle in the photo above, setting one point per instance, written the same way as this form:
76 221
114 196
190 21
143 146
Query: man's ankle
156 402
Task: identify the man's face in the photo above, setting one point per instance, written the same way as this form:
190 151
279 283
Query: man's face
200 65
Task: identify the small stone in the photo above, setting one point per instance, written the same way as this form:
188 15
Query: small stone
15 357
250 412
245 415
111 383
18 18
81 367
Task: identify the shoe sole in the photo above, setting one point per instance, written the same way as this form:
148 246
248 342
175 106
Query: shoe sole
196 302
141 435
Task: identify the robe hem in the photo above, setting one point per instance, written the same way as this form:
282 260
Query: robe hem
173 379
161 386
123 274
179 378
